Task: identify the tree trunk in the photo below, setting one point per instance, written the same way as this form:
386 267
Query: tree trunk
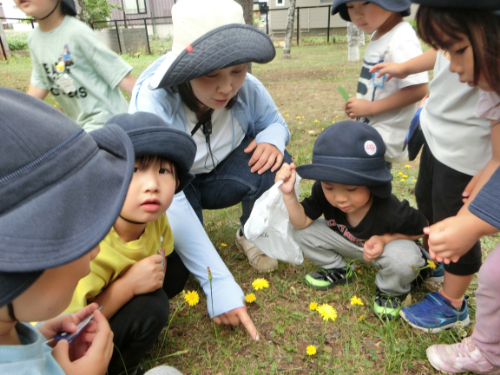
289 30
4 43
247 6
81 10
354 39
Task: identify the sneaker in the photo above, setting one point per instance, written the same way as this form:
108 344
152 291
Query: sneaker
460 357
386 306
435 314
437 275
257 259
325 279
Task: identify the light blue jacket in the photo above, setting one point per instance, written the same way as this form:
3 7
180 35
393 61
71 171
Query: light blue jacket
260 119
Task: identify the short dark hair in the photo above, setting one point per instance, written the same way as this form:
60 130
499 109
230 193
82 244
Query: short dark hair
192 102
145 161
480 26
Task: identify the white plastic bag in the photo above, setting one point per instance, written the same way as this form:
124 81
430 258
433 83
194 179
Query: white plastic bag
269 228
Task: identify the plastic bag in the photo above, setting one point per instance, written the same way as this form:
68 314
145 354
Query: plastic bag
269 228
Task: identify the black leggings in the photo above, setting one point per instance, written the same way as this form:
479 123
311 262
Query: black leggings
439 196
137 325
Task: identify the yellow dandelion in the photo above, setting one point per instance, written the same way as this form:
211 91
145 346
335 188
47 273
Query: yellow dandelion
55 106
249 298
322 129
336 116
313 306
400 173
327 312
333 122
223 244
405 176
432 265
316 121
361 318
408 166
311 350
402 180
298 117
303 117
287 116
192 298
414 180
356 301
260 284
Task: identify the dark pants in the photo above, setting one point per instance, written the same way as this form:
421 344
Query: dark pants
230 183
137 325
439 196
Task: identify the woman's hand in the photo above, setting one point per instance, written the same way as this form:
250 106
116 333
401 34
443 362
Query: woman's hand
265 156
237 316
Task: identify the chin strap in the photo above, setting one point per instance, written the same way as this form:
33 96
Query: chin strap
130 221
48 15
11 311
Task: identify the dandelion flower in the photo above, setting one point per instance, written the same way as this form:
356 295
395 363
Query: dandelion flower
333 122
432 265
303 117
260 284
223 244
322 129
408 166
405 176
336 116
327 312
55 106
356 301
414 180
402 180
287 116
250 298
361 318
298 117
313 306
316 121
192 298
400 173
311 350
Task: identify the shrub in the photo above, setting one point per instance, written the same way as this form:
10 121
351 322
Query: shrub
17 42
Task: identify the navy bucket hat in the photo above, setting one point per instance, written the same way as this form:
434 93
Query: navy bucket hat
68 7
61 189
208 36
399 6
491 5
150 135
350 153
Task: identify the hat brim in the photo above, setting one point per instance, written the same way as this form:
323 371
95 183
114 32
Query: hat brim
328 173
71 218
398 6
174 145
220 48
493 6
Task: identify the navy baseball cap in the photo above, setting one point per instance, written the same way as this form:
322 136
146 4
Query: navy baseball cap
61 189
350 153
398 6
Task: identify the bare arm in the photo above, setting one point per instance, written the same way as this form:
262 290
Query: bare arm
37 92
114 297
400 99
127 83
419 64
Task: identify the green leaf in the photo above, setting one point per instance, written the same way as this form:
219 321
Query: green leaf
291 348
297 315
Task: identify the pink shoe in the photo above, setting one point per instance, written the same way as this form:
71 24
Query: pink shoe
461 357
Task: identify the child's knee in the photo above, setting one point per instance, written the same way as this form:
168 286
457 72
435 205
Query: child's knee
404 254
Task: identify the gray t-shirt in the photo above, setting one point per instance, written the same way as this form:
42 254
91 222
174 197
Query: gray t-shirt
80 71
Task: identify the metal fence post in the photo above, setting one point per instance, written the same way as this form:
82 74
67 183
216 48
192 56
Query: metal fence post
328 30
298 25
3 48
118 37
92 25
267 23
32 24
147 35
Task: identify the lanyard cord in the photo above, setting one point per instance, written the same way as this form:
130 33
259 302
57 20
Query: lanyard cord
206 122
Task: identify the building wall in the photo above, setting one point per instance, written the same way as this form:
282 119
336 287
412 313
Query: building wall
156 8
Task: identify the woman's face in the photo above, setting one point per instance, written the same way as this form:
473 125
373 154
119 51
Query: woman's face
215 89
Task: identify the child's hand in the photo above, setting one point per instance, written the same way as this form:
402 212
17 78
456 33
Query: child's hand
393 70
96 359
287 174
470 186
358 108
453 237
145 276
373 248
265 156
66 322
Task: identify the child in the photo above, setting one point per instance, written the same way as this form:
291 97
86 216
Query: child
457 147
61 189
387 106
362 219
72 63
127 276
202 88
470 31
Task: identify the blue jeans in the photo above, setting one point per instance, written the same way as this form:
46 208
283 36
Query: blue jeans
230 183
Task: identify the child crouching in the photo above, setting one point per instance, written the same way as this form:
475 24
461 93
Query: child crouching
362 219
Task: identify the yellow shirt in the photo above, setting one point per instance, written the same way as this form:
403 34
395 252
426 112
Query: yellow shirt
117 256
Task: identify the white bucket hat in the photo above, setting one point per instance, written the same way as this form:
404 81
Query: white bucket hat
208 36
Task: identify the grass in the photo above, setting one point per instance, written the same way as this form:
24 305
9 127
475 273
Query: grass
304 89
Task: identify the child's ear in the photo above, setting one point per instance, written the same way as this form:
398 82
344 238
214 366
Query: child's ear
177 185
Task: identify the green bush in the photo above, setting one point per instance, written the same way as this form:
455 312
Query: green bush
17 42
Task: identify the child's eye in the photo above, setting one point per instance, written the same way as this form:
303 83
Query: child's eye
461 51
164 171
351 189
211 75
136 169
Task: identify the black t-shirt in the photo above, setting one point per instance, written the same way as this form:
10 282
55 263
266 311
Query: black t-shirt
385 216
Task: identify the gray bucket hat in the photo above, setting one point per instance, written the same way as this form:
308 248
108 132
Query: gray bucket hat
61 189
350 153
150 135
399 6
208 36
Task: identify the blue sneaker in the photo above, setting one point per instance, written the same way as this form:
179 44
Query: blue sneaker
435 314
437 275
